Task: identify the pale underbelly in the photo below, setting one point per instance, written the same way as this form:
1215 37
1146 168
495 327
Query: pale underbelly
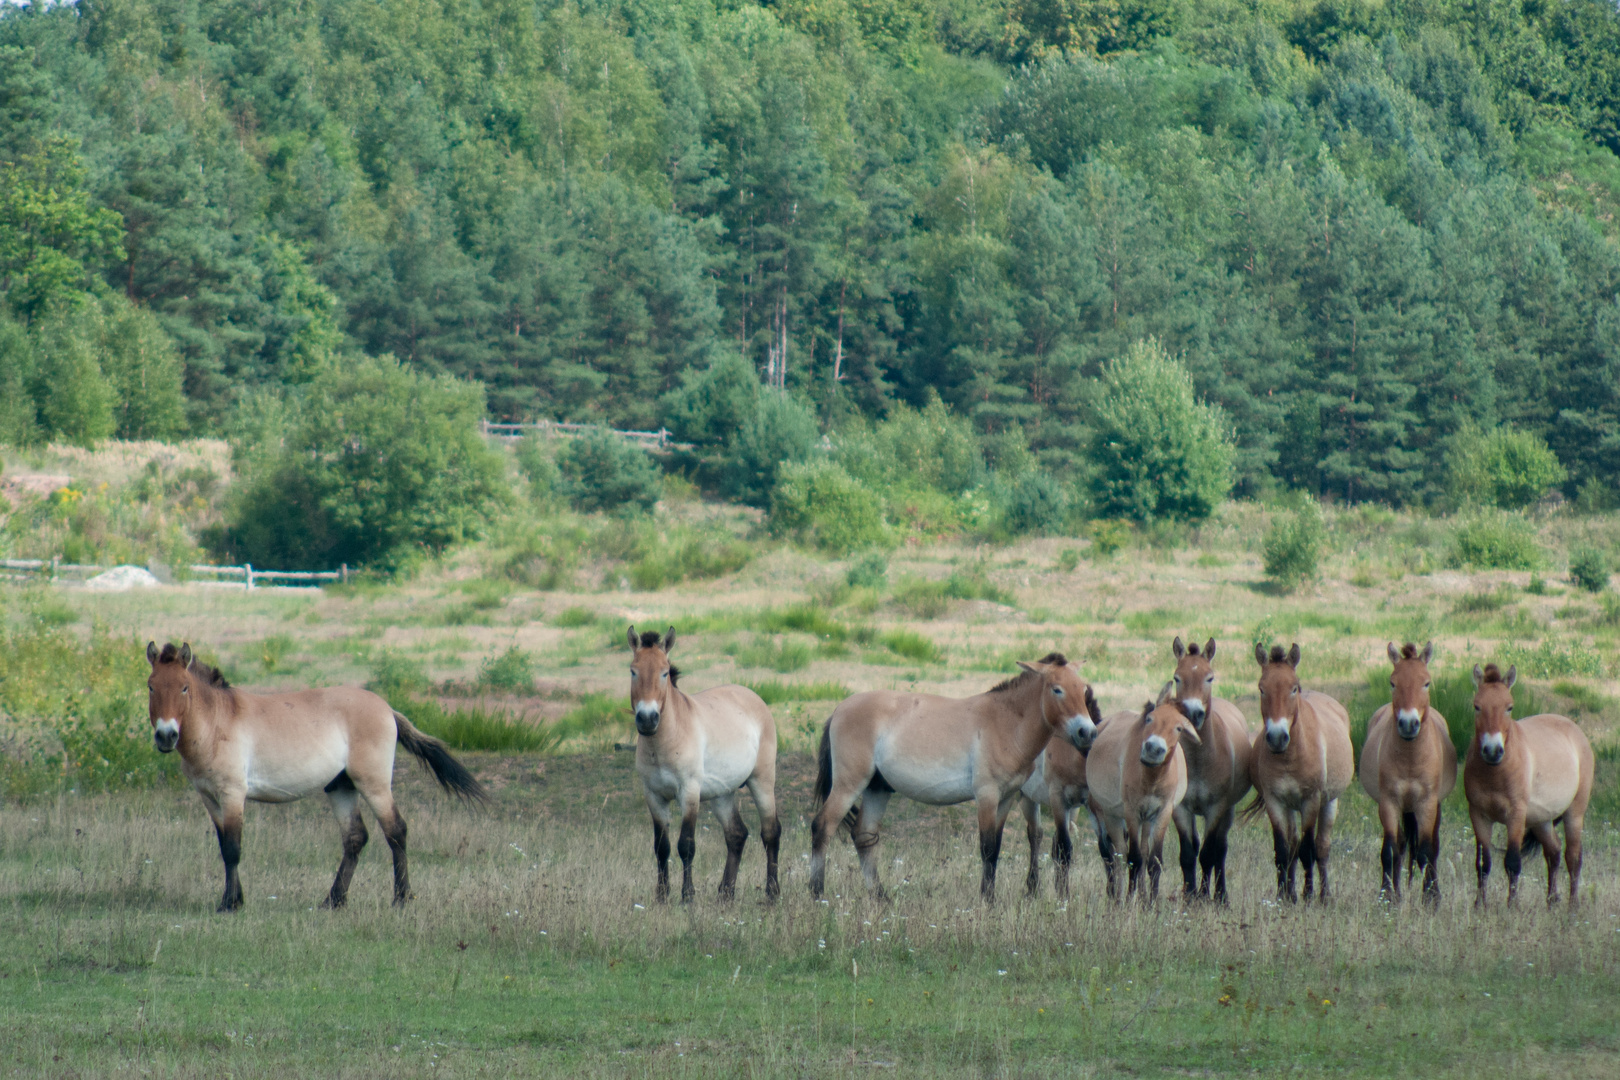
937 785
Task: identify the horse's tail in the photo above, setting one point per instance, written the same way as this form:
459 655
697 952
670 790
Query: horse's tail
824 780
1254 808
451 774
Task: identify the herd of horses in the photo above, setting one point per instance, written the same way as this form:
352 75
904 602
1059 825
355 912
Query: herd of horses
1039 739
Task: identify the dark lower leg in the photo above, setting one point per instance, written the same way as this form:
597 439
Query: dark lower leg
1307 859
230 850
1133 859
1155 865
1212 858
1105 849
394 833
770 834
661 853
1389 858
1482 863
686 847
736 837
354 838
1032 823
1513 865
1062 856
1188 855
1284 859
989 856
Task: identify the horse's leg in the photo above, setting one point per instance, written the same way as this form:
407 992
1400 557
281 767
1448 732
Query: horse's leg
1482 853
686 846
1032 829
1285 849
763 788
1187 837
825 826
873 804
1133 860
1429 849
1551 851
1573 827
1161 829
1389 856
992 817
736 834
1106 849
1062 849
1212 856
345 802
1322 843
1510 860
380 796
228 827
659 809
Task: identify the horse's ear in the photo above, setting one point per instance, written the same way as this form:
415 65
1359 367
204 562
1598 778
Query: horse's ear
1293 656
1177 649
635 642
1260 653
152 653
185 654
1147 712
1479 677
1092 707
669 639
1427 654
1189 732
1031 668
1165 693
1512 675
1209 649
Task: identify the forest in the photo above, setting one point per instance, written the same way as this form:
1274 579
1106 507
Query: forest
1362 230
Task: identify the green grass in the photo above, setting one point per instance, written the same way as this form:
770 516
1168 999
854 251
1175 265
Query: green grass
775 691
912 646
782 656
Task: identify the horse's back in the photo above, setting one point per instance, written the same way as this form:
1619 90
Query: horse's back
736 706
1563 764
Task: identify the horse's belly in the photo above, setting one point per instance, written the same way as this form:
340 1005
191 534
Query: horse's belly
937 785
285 781
725 770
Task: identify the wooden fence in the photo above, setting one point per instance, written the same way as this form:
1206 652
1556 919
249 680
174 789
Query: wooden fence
551 429
249 575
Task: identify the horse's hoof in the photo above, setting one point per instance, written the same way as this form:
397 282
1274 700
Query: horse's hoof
332 903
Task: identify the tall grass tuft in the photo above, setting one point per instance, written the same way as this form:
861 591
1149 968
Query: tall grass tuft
775 691
912 646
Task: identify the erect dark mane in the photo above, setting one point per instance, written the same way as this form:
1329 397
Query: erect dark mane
649 638
1409 651
1023 677
209 675
1492 674
1194 649
1278 656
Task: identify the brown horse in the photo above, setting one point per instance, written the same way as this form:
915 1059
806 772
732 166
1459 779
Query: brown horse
1057 782
1136 776
1528 776
1408 766
1301 763
941 751
1217 768
701 748
275 748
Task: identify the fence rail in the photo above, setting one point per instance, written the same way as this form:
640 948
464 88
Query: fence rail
552 429
249 575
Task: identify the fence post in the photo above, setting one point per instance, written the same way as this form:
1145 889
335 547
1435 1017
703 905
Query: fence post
55 560
248 568
343 571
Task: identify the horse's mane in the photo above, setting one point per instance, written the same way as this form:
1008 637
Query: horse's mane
1024 677
1492 674
1409 651
210 676
1278 656
649 638
1194 648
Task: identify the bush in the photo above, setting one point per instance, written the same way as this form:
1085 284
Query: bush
1156 450
1035 503
1293 544
929 448
871 572
512 670
824 506
1107 537
1505 542
1551 660
1589 568
779 432
775 691
1506 468
912 646
688 554
371 464
602 471
711 406
143 370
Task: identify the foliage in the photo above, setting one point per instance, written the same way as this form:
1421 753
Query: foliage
777 692
912 646
602 471
870 571
1108 536
512 670
375 464
1293 544
1507 468
1035 503
1589 568
1499 542
826 507
777 435
1157 451
1551 659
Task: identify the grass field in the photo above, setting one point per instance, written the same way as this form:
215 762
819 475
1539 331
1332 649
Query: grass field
533 945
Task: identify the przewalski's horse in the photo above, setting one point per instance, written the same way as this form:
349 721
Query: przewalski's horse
1217 768
940 751
1136 776
1527 775
700 748
1301 762
1057 782
275 748
1408 767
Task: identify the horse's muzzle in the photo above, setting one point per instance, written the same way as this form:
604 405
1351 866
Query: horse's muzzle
1492 749
165 741
647 721
1154 751
1407 724
1276 738
1195 711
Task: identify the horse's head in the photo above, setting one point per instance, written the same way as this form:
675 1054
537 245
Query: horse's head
1279 694
1067 702
1409 687
169 692
1493 711
1163 726
651 676
1194 681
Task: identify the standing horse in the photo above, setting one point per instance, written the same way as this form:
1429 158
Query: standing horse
1217 768
1301 762
1529 776
1136 776
1408 766
941 751
700 748
1058 782
275 748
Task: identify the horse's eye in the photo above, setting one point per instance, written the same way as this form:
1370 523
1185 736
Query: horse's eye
632 673
185 689
1210 677
665 675
1057 690
1425 686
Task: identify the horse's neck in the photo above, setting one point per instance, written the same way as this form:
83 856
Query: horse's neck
1030 727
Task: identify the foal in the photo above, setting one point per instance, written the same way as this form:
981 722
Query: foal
1217 768
1136 774
275 748
1301 763
1529 776
1058 782
700 748
1408 766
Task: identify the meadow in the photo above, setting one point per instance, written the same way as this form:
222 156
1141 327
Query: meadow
533 945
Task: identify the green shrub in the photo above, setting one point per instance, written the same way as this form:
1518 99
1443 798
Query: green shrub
775 692
372 464
870 572
711 405
512 670
779 432
922 598
1293 544
537 461
975 584
783 656
574 617
1506 468
1156 450
397 676
688 554
1550 660
912 646
1503 542
1107 537
603 471
920 449
143 370
1035 503
1589 568
824 506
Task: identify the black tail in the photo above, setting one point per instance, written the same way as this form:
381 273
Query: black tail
1254 808
824 781
451 774
1409 825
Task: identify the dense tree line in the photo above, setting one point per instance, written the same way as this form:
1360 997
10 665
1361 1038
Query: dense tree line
1357 226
